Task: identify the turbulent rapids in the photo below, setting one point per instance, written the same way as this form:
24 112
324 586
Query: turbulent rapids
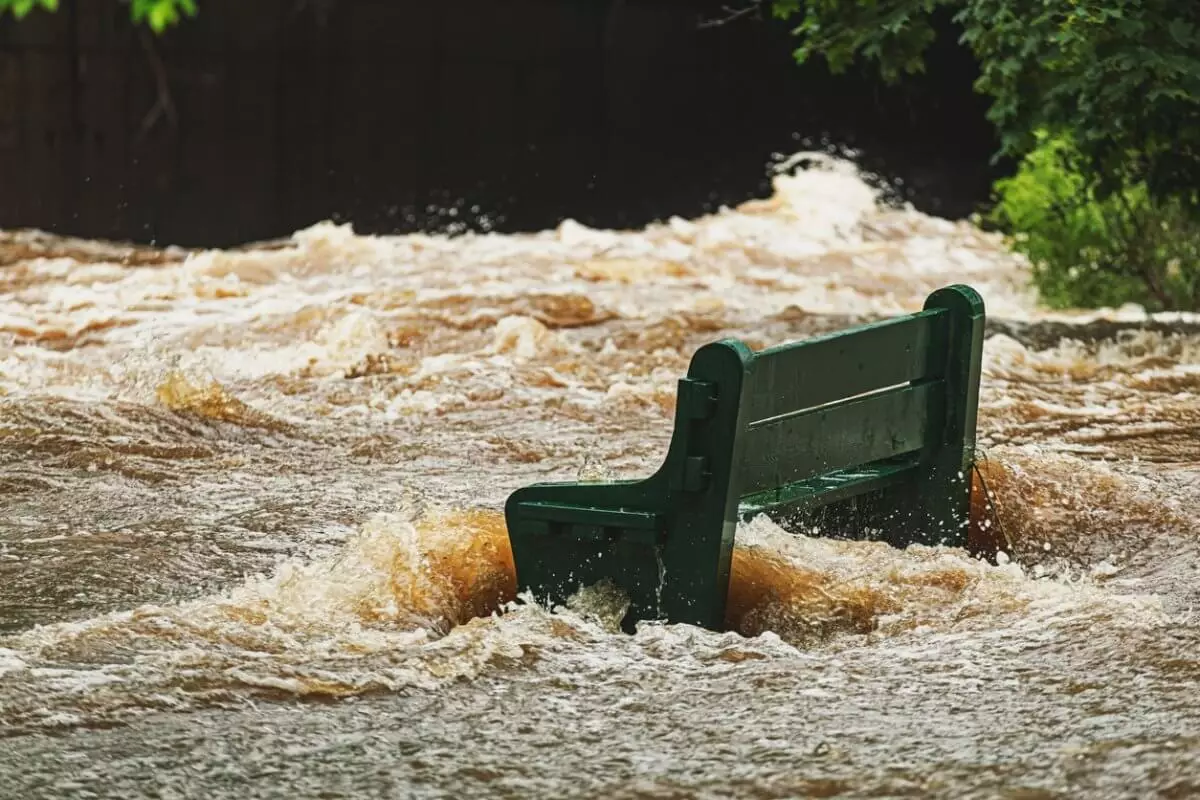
251 541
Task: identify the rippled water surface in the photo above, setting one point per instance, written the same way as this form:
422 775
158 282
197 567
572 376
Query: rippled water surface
250 540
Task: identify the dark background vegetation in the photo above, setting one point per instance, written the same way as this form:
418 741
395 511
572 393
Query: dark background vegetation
257 118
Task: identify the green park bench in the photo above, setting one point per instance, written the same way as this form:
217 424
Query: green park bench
864 433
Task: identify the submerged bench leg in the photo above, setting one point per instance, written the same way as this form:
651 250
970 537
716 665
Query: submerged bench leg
667 541
704 486
942 499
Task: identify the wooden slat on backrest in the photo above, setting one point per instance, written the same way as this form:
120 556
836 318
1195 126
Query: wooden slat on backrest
793 377
808 443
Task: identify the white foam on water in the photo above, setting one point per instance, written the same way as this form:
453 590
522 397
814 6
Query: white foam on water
347 336
10 661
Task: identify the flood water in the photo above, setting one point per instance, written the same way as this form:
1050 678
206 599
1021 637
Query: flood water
251 541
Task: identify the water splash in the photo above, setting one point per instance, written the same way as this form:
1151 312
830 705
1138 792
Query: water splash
209 464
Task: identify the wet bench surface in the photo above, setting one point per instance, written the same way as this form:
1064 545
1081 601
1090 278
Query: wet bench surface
864 433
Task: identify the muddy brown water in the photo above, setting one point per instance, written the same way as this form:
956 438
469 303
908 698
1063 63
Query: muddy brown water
250 541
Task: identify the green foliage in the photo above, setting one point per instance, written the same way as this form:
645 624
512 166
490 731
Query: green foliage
157 14
1122 77
161 14
20 8
1092 250
892 33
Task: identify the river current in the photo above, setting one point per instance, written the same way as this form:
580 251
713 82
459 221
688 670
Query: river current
251 541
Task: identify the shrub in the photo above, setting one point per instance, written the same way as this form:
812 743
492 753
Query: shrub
1091 249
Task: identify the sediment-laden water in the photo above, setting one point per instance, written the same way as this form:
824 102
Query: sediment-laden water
250 539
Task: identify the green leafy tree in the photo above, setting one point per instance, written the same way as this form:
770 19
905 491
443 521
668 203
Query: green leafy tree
1122 76
157 14
1117 79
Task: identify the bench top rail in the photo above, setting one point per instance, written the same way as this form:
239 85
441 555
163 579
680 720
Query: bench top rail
836 366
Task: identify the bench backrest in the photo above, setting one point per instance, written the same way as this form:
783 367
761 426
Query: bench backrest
869 429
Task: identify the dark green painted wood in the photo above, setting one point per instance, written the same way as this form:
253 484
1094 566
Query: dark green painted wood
613 518
785 431
939 506
836 366
692 492
791 448
825 489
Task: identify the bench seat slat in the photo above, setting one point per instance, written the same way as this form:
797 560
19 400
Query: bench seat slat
798 446
826 489
837 366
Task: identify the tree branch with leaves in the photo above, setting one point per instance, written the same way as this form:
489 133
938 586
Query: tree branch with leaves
158 15
1123 76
